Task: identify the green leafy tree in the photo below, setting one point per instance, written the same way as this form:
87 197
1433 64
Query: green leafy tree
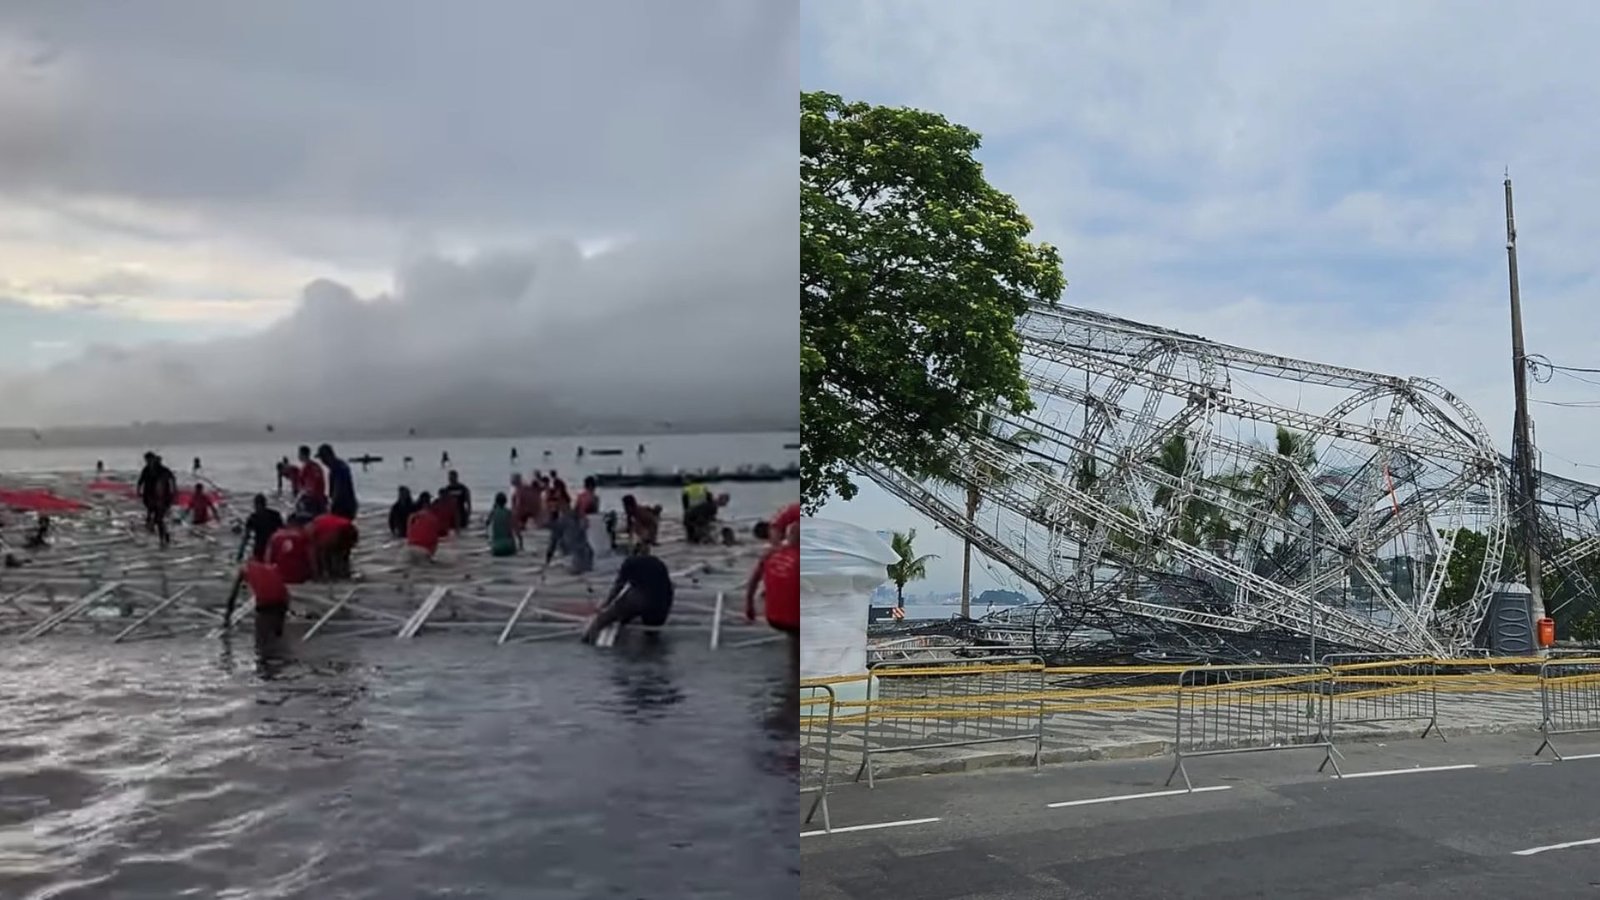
1585 626
1575 610
913 272
1466 562
910 567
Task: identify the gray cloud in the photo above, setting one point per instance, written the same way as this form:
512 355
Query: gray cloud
666 327
470 147
474 114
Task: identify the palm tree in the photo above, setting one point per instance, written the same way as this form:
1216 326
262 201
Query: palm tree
910 567
986 475
1300 450
1196 519
1261 485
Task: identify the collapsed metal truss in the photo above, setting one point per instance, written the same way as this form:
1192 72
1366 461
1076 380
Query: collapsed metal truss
1151 483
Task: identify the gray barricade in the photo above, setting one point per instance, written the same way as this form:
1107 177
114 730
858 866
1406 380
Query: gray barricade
1374 688
914 706
1247 709
817 705
1569 699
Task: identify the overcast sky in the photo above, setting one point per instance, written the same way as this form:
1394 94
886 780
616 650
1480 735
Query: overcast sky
1319 180
593 198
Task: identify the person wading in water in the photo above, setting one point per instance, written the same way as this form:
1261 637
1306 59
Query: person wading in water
158 488
643 590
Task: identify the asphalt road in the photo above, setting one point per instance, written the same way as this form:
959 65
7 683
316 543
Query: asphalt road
1259 825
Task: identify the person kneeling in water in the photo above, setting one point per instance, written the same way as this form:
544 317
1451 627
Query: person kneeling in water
333 538
643 591
422 532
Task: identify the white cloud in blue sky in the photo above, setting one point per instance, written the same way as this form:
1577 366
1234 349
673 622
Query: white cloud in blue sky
1320 180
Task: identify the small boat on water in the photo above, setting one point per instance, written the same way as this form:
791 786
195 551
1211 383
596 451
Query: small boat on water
791 446
709 476
606 451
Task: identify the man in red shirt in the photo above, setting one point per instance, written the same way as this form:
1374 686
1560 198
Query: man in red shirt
447 511
422 536
272 599
333 538
313 485
778 573
202 509
786 517
289 549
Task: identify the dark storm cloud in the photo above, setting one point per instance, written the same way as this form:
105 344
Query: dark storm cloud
669 326
473 113
347 131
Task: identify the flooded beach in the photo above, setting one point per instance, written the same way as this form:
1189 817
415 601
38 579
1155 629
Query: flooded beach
370 769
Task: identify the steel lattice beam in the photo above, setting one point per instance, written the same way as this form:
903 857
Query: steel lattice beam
1115 393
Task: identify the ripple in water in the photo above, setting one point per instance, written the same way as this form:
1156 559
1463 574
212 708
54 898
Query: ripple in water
367 769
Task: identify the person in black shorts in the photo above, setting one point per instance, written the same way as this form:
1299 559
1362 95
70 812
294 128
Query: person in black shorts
158 488
643 591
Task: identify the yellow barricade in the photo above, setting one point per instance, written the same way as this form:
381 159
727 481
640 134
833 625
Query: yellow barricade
911 706
816 747
1245 709
1374 688
1569 699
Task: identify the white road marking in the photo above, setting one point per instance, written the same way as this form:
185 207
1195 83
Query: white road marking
1582 756
869 827
1201 790
1410 771
1532 850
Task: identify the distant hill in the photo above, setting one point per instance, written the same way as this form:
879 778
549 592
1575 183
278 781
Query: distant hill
884 596
1001 598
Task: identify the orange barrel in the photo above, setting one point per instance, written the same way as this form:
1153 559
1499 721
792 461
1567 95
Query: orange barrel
1547 631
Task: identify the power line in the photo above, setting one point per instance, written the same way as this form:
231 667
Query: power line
1572 368
1539 359
1576 404
1570 462
1578 377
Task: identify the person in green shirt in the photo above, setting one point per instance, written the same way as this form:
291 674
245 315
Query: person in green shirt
502 534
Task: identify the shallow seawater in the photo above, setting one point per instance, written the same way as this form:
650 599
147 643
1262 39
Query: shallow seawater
443 767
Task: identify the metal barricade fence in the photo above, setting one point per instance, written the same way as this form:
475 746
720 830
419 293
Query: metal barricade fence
1371 688
1246 709
1569 699
912 706
816 747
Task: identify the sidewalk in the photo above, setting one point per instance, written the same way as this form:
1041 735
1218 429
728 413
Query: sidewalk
1093 735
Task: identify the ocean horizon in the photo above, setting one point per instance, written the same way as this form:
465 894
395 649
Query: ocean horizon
485 464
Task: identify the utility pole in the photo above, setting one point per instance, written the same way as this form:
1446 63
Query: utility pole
1524 491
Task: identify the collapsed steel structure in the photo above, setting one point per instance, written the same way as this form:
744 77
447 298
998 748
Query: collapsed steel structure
1182 492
